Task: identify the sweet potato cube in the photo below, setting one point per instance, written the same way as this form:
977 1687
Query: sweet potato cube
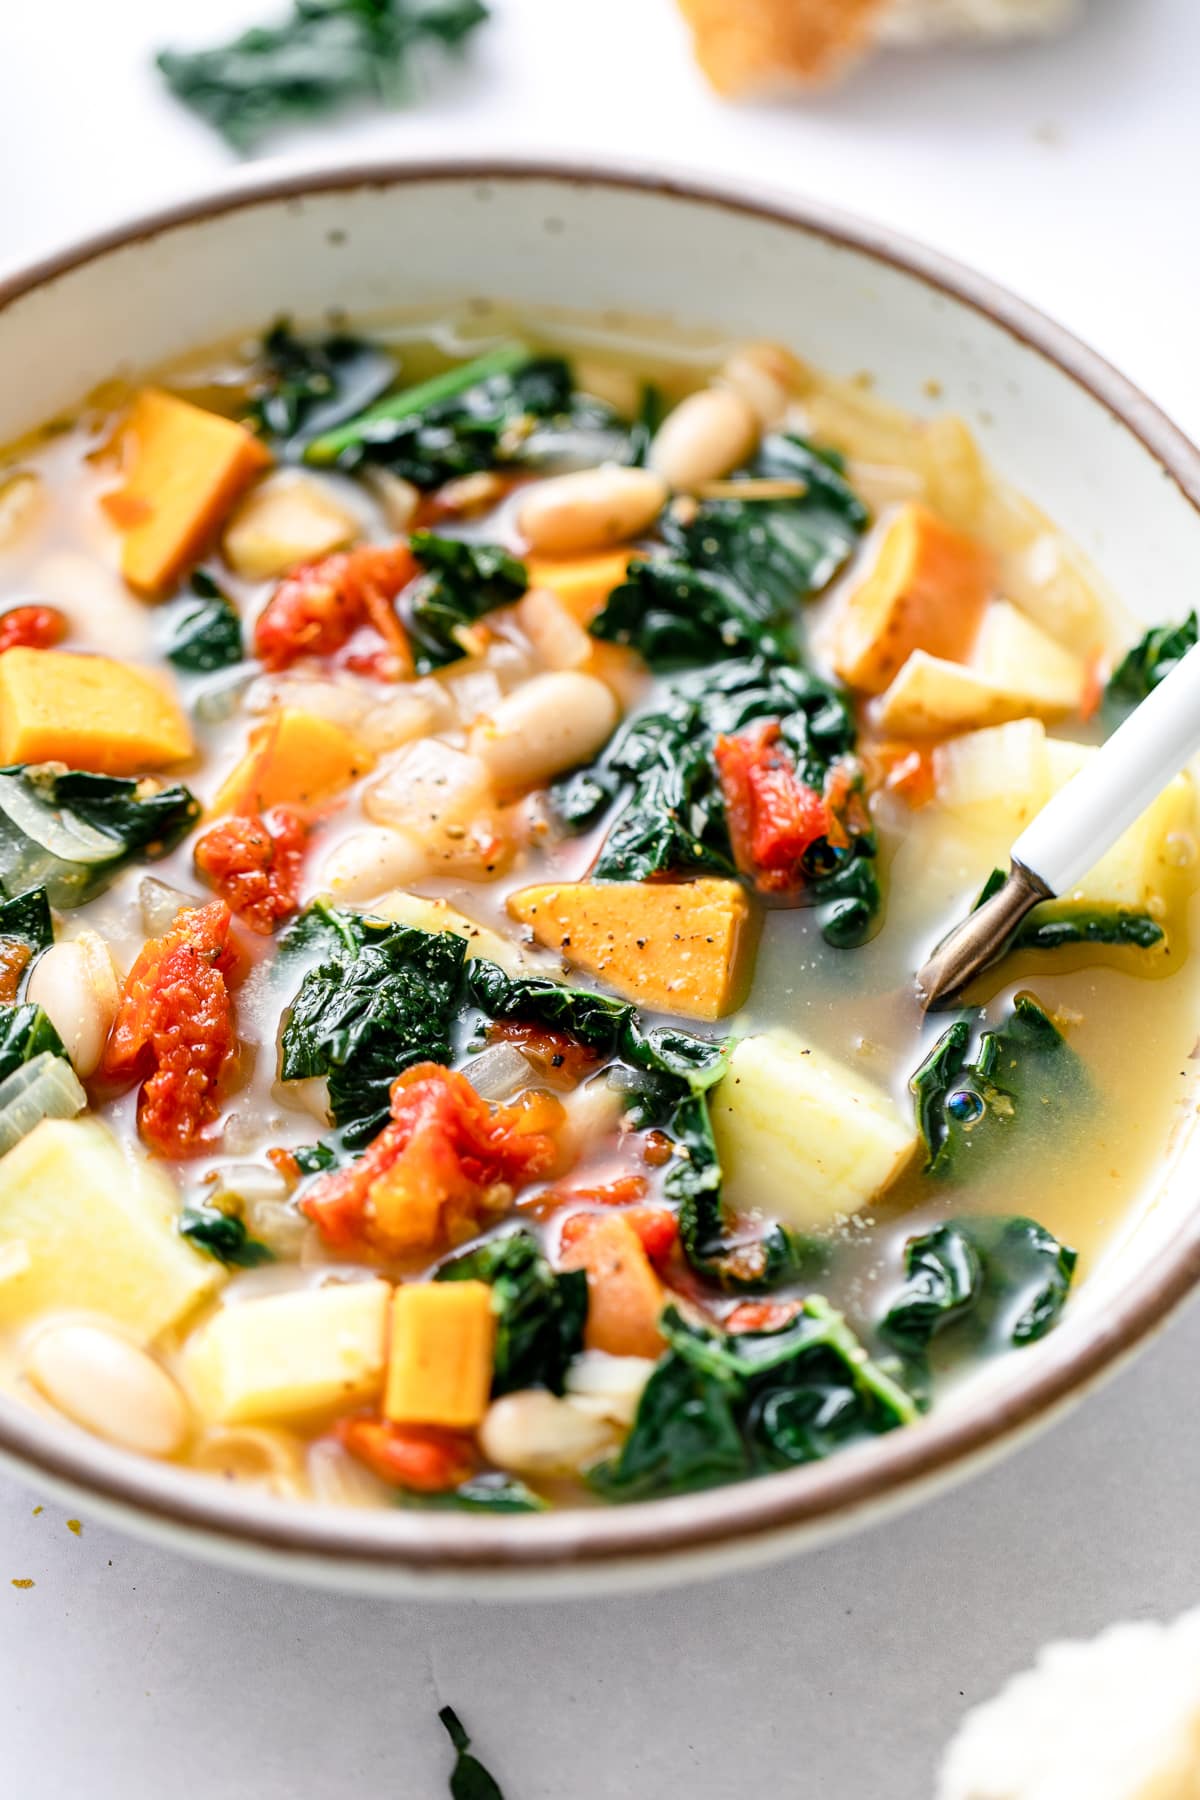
625 1296
294 759
89 711
677 947
440 1360
927 591
184 469
582 583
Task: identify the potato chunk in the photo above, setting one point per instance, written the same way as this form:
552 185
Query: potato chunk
439 915
927 591
803 1137
283 522
440 1362
97 1232
295 759
184 469
676 947
290 1354
90 712
1016 671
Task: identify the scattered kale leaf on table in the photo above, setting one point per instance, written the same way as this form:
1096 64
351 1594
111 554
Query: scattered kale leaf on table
1150 661
718 1408
380 998
223 1236
462 581
539 1315
469 1780
70 831
1057 923
304 387
325 53
1025 1066
205 631
670 817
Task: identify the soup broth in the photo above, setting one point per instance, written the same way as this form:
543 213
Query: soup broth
465 876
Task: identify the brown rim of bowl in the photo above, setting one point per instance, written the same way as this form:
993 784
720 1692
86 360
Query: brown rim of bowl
827 1494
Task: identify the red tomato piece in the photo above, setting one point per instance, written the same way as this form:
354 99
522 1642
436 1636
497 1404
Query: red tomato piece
254 864
32 628
762 1315
421 1458
560 1059
317 608
774 817
174 1030
446 1163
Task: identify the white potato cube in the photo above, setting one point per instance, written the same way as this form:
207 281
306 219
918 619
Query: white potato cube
1139 866
98 1232
994 781
286 520
801 1136
930 697
1020 659
439 915
290 1354
431 788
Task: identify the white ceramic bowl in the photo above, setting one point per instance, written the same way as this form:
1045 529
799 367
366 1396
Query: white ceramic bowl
1066 428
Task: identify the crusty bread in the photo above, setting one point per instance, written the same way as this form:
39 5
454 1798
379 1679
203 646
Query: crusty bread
747 46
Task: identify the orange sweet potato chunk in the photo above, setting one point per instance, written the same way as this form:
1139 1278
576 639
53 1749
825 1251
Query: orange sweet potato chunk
88 711
625 1296
294 759
184 469
582 583
674 946
927 591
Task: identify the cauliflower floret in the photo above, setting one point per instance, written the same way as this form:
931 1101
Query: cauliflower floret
1115 1718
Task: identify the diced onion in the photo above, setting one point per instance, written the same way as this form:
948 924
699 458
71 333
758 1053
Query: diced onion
497 1072
61 833
161 904
46 1088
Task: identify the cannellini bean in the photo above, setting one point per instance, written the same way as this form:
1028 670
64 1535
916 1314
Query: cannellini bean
368 863
553 723
560 640
705 436
21 498
766 376
110 1386
534 1433
412 713
398 499
592 509
471 494
609 1387
76 986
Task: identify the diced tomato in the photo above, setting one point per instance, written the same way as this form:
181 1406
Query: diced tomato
445 1165
774 817
418 1457
621 1192
14 959
560 1059
255 865
657 1228
317 608
762 1315
902 768
32 628
174 1030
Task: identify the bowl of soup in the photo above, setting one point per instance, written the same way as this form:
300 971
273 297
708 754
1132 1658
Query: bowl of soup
505 673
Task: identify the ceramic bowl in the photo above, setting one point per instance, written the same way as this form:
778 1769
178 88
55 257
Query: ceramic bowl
1054 418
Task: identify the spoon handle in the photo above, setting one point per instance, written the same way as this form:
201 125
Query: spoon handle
1088 815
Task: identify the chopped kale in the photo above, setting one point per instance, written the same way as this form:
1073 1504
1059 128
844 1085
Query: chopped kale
1057 923
71 832
25 1032
671 818
720 1408
380 1001
222 1236
324 54
469 1780
304 387
1142 668
25 920
539 1315
205 632
595 1019
462 581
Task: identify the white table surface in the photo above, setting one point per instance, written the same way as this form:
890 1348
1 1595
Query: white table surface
126 1673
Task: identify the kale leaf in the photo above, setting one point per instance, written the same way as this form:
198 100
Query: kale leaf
381 998
1151 659
1056 923
223 1236
205 632
304 387
719 1408
25 1032
595 1019
469 1780
462 581
671 817
325 53
25 920
71 832
1026 1064
675 616
539 1315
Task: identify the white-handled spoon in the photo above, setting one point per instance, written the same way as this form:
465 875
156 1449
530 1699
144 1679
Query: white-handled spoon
1074 829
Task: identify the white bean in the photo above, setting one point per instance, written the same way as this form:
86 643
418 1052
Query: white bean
593 509
368 863
105 1383
705 436
534 1433
560 640
76 986
553 723
398 499
609 1387
766 376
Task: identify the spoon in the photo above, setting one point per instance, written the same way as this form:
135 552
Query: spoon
1074 829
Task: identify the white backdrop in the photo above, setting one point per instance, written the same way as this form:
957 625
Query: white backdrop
1067 171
